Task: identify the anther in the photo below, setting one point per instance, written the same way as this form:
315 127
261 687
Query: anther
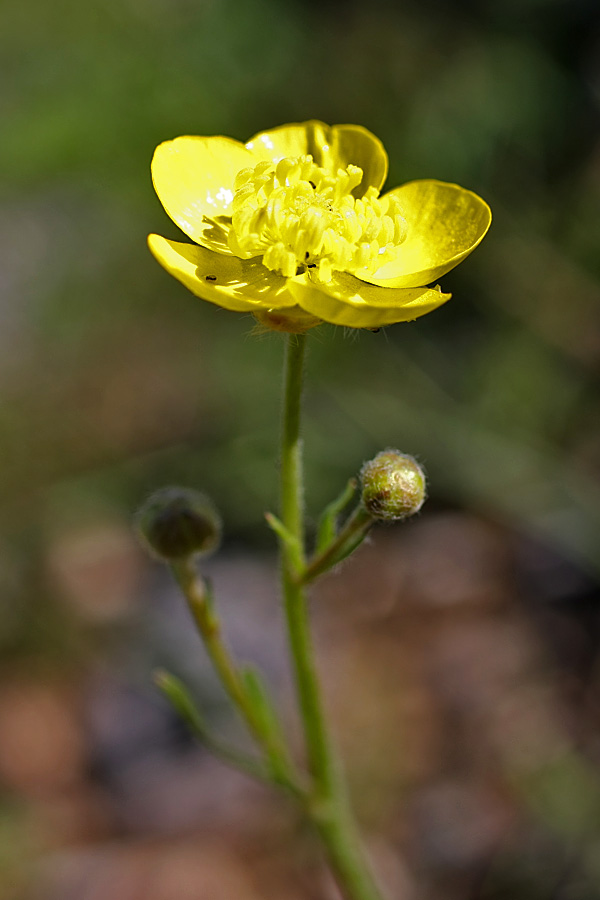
282 213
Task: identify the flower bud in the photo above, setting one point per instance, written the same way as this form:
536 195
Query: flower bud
393 486
176 523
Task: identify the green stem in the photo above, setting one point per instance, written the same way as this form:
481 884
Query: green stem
328 808
352 534
209 628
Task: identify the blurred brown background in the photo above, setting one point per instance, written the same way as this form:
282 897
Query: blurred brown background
460 650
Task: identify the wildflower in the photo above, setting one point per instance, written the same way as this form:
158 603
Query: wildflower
291 226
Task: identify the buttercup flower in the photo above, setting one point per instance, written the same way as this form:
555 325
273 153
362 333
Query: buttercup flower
291 227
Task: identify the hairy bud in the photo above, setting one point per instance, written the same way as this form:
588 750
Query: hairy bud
176 523
393 486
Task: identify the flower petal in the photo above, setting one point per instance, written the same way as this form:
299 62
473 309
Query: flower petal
238 284
193 177
444 222
346 300
331 148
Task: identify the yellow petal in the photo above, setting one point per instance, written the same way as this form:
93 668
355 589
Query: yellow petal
239 284
346 300
331 148
193 177
444 223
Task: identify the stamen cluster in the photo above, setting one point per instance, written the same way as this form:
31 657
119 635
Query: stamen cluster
299 216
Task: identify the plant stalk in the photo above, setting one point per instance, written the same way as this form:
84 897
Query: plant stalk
353 533
209 629
328 807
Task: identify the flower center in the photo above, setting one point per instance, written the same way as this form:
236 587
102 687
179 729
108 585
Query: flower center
298 216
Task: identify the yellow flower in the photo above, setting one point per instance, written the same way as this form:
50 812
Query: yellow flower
291 227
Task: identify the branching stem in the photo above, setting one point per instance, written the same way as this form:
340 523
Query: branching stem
280 766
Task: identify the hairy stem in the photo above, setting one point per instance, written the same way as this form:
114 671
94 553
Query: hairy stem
208 626
328 807
353 533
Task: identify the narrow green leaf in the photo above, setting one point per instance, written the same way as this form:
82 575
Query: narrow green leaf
327 530
178 695
285 536
280 530
260 700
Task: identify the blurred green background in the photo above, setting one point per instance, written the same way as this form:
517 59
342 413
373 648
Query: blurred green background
114 380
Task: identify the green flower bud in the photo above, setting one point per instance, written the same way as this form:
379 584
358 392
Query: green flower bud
176 523
393 486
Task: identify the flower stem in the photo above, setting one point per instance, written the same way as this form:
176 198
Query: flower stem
353 533
208 626
328 806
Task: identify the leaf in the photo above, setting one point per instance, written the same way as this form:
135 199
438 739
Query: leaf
327 530
178 695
